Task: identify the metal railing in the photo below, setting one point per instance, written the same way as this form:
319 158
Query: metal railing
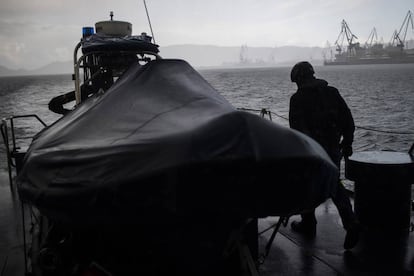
13 154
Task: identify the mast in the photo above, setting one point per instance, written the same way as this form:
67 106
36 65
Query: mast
149 21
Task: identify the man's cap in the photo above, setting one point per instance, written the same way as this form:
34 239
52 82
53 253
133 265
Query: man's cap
302 70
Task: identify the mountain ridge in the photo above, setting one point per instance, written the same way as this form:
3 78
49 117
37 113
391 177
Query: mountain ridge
204 56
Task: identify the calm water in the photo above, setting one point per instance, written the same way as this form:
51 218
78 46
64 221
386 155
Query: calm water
380 97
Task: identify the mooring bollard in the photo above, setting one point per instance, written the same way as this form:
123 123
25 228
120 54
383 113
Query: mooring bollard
382 189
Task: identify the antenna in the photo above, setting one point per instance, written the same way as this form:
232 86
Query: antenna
149 21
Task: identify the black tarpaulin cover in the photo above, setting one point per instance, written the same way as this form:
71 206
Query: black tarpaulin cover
163 142
99 43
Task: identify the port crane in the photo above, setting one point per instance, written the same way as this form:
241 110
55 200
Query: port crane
372 38
399 50
372 46
353 46
398 38
243 57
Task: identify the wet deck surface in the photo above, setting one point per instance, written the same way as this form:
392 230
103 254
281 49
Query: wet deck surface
290 254
376 253
11 237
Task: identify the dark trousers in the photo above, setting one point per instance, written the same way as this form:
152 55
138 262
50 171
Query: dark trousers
340 199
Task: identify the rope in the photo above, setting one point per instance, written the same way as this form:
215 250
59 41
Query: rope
280 116
249 109
384 131
264 111
282 221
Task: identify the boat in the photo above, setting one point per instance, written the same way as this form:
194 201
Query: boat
373 51
160 239
152 163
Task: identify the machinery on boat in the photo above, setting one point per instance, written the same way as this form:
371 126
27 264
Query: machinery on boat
106 54
154 172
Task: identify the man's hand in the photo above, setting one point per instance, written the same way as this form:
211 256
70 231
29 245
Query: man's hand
346 150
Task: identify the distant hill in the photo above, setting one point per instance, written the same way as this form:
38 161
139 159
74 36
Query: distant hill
4 71
57 68
201 55
206 56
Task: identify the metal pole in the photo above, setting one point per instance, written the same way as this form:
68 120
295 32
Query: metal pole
149 21
76 73
24 239
6 143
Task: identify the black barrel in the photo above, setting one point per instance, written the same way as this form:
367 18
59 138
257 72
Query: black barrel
382 189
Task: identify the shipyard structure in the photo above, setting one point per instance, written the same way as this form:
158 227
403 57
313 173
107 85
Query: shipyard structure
349 51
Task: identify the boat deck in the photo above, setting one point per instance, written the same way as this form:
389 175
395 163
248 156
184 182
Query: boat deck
375 254
290 254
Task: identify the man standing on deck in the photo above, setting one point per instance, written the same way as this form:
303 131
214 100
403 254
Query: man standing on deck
319 111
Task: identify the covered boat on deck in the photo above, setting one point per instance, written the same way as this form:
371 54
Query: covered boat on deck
159 174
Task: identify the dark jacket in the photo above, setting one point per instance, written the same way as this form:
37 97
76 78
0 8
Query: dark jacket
319 111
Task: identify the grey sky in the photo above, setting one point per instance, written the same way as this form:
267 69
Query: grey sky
34 33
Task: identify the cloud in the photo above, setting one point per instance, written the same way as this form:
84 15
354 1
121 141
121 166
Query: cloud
32 45
10 30
48 27
12 53
62 53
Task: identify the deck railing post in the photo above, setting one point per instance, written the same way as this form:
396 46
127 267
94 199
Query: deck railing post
5 134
